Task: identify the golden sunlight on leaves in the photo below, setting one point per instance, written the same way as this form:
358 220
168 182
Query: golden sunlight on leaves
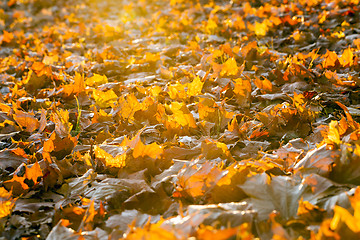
181 115
7 203
208 232
58 146
104 99
344 224
179 120
76 87
152 150
261 28
330 59
347 57
242 91
96 80
333 133
7 37
151 231
128 106
177 91
212 150
195 87
196 182
229 68
117 161
263 84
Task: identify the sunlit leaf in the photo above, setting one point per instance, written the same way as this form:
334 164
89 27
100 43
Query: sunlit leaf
104 99
195 182
117 161
151 231
330 59
261 28
128 107
181 115
195 87
347 57
7 37
96 80
152 150
229 68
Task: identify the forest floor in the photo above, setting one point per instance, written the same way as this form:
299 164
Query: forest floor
179 119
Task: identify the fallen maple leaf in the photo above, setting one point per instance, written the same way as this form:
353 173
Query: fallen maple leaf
24 178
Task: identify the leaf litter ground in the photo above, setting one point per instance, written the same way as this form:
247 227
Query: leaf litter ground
179 119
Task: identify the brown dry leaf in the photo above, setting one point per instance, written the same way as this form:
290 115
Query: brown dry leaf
58 147
279 193
318 161
11 159
26 121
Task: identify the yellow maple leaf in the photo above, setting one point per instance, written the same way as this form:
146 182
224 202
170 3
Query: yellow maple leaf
7 37
151 231
195 87
104 99
333 133
6 203
96 80
152 150
128 107
229 68
181 115
211 26
177 91
261 28
263 84
209 232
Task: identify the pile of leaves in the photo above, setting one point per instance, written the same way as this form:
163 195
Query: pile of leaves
179 119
